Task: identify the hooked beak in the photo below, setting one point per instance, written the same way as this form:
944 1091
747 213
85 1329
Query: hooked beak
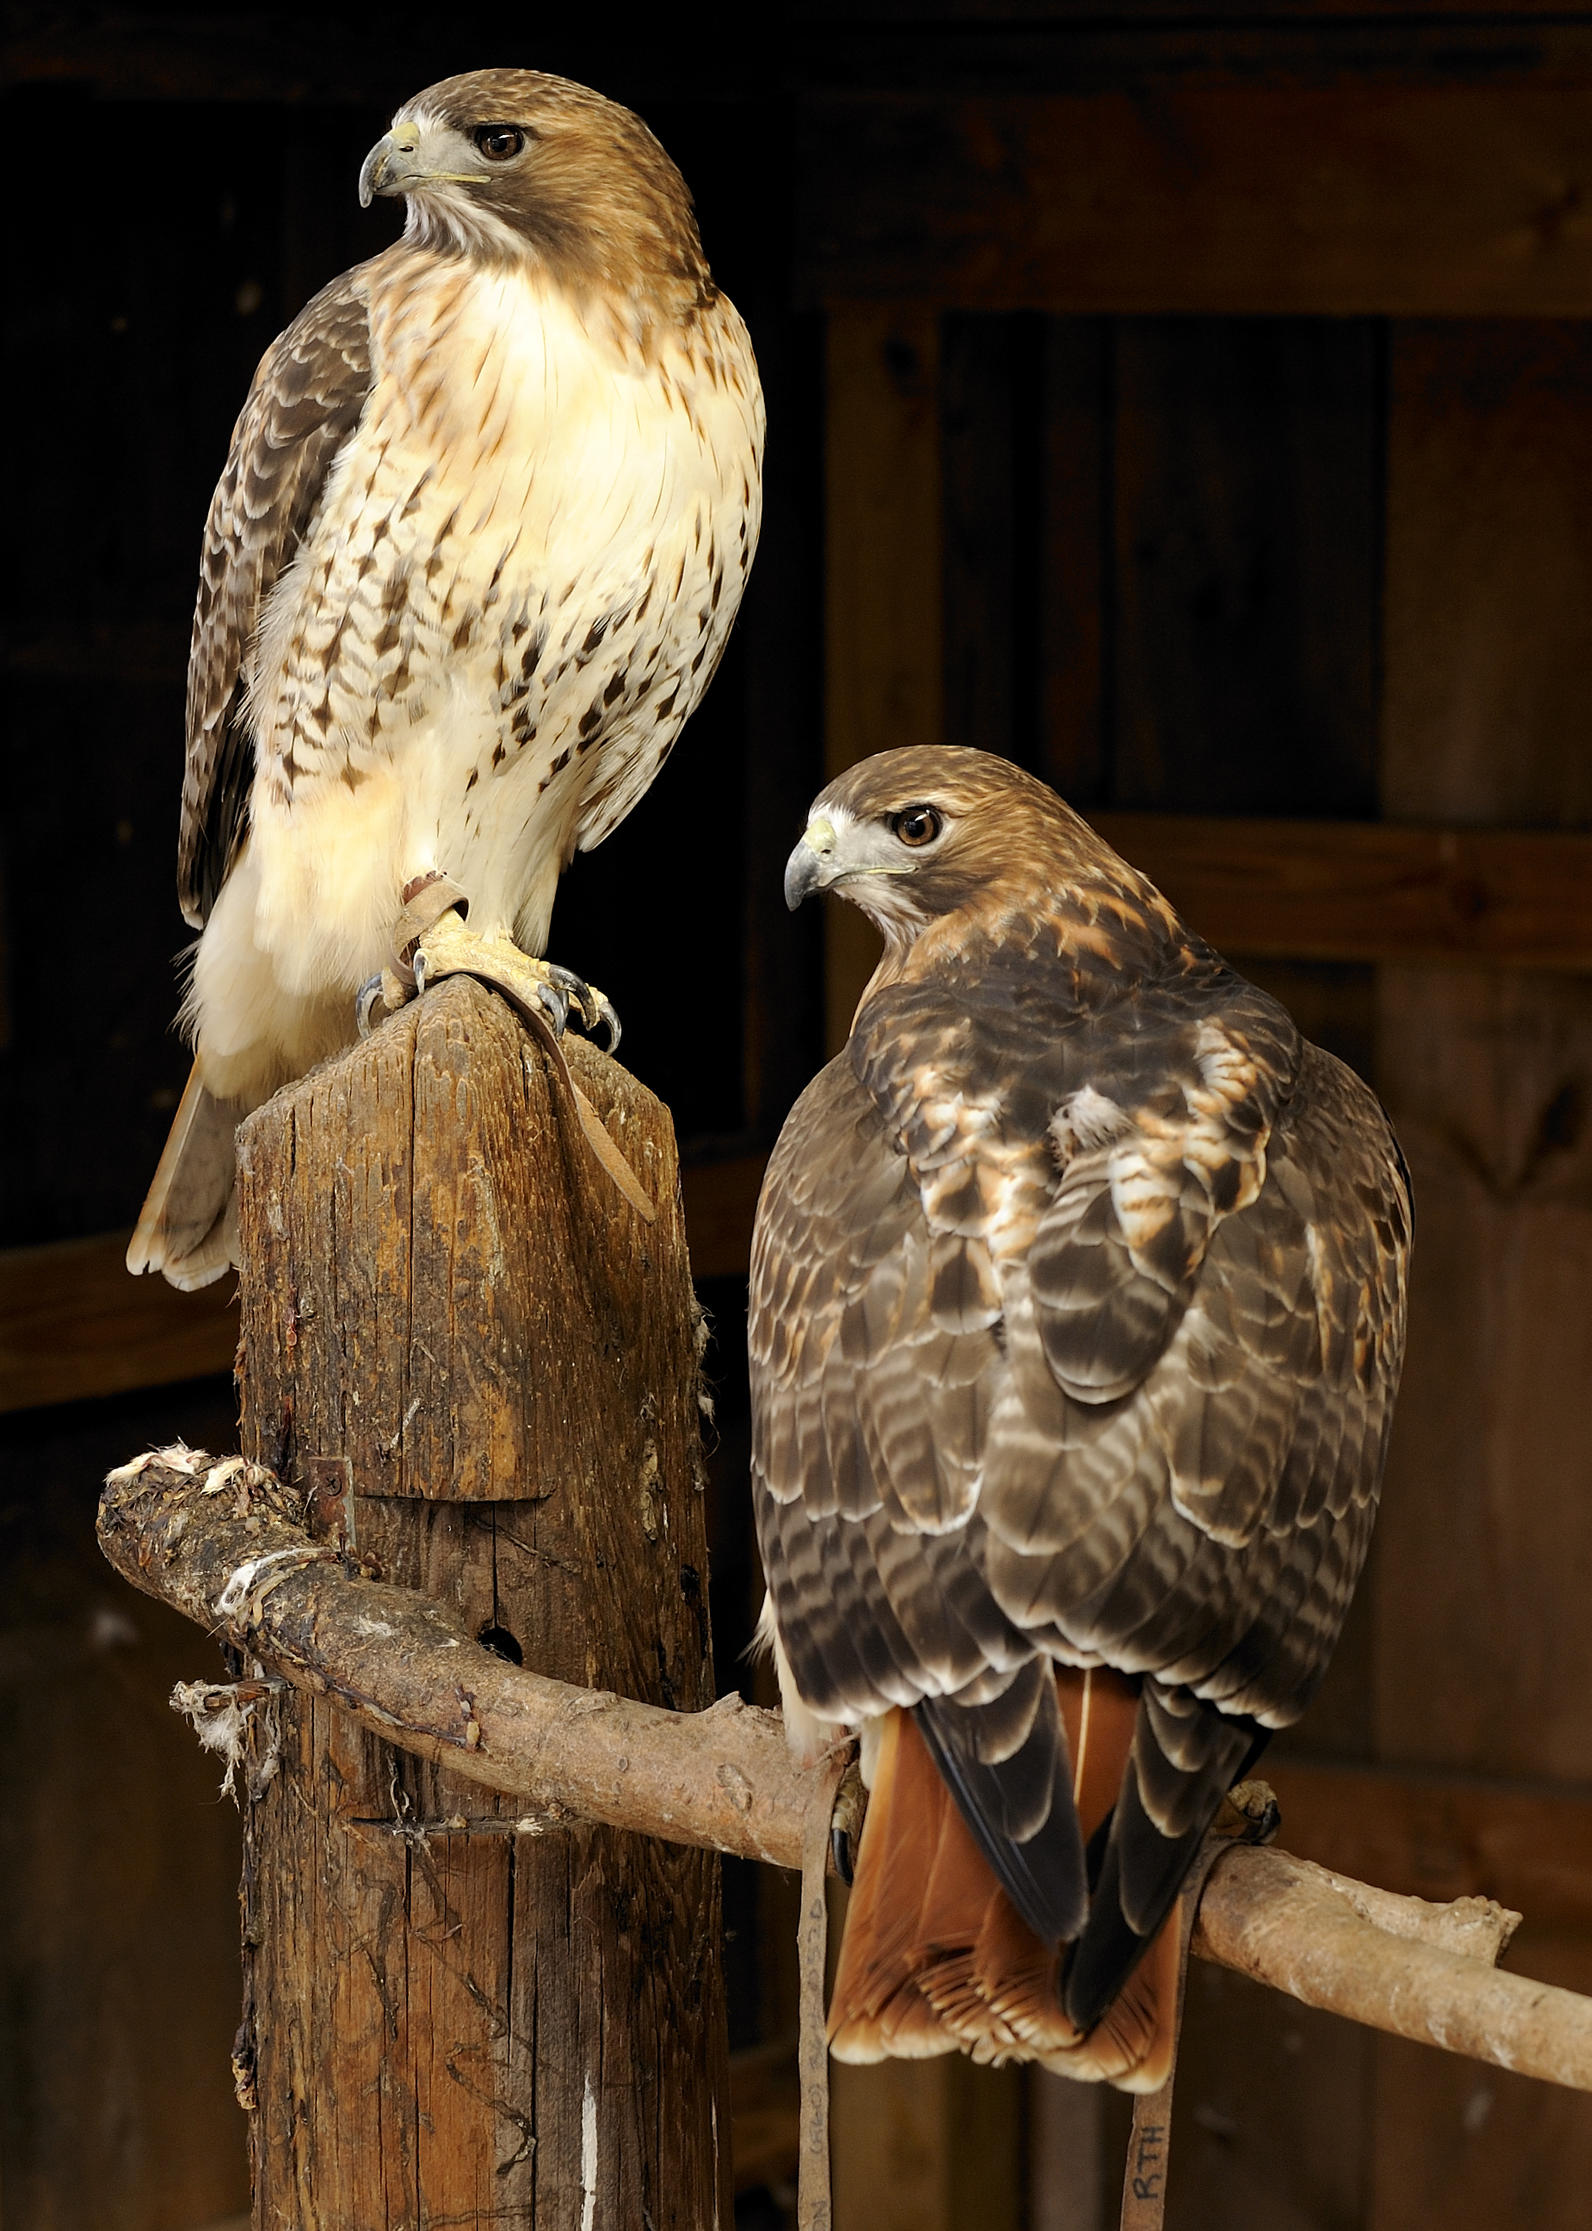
390 167
811 867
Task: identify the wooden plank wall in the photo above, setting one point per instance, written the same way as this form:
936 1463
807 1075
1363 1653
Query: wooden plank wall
1483 1654
1317 568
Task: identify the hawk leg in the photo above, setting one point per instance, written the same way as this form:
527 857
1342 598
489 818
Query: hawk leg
431 940
448 948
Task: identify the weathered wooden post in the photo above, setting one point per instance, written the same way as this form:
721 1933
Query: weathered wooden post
478 1361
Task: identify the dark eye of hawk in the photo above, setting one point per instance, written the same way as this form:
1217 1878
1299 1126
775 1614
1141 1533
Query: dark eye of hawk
918 825
499 143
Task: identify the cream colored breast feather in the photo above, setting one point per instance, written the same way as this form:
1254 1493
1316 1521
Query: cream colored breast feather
521 579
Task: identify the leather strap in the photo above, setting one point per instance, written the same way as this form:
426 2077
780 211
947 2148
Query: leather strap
1249 1815
474 958
1150 2140
813 2204
425 902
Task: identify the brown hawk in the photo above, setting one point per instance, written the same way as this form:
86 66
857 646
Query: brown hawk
490 507
1078 1294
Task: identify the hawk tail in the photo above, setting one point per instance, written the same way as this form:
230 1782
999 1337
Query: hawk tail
936 1956
187 1228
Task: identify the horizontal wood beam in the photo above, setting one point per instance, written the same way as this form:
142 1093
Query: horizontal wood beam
1206 192
1369 890
315 60
1442 1835
73 1325
1007 16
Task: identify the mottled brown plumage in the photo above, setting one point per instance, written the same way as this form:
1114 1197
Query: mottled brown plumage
491 504
1077 1316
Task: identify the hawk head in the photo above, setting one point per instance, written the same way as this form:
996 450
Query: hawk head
911 835
945 835
516 166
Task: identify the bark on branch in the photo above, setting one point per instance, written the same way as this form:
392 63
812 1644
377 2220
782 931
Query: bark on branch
224 1543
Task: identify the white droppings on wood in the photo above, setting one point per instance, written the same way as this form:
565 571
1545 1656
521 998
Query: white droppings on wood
260 1574
648 1488
408 1420
588 2157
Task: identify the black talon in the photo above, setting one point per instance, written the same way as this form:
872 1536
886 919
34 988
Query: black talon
555 998
365 1000
840 1845
609 1019
591 1009
572 986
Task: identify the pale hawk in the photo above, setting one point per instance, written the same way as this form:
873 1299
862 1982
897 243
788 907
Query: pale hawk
488 514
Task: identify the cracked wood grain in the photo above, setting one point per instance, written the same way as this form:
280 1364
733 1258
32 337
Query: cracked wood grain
472 1366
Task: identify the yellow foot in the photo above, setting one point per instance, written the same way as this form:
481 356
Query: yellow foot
430 939
450 948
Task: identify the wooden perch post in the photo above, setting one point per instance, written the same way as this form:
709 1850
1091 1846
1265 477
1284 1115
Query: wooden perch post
474 1364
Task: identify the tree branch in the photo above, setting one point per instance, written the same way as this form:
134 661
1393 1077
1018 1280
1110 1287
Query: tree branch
1421 1971
224 1543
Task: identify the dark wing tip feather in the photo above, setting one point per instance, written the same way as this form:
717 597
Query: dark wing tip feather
1165 1806
1111 1946
1043 1872
211 843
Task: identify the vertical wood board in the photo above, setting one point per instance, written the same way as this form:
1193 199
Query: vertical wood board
1488 706
980 578
1464 2147
1270 2123
1074 646
930 2145
118 1857
882 627
1483 1650
1483 1653
1245 556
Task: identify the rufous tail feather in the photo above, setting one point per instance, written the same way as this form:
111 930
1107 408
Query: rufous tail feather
935 1957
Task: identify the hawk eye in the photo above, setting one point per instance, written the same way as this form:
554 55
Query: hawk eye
919 825
499 143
